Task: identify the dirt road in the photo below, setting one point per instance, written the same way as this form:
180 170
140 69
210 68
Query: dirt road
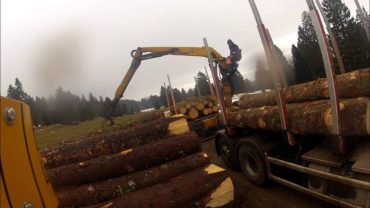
274 195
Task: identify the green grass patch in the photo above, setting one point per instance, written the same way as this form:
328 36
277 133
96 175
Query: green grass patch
49 135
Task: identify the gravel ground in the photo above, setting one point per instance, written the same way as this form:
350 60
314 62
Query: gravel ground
274 195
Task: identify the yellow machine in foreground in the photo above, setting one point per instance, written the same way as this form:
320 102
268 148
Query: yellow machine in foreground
23 181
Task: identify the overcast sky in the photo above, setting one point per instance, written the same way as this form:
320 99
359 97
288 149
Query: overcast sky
84 45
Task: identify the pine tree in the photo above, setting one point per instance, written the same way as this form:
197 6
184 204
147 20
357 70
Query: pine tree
17 91
202 83
307 59
350 35
190 93
162 96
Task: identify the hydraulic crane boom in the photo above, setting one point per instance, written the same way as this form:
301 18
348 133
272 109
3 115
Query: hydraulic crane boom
154 52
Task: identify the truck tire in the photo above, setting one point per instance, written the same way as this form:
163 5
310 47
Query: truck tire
227 153
253 163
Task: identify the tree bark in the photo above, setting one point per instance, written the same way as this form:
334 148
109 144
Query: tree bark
104 144
308 118
127 161
181 191
350 85
110 189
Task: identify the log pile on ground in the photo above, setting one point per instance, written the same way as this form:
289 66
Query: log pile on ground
308 107
198 107
154 164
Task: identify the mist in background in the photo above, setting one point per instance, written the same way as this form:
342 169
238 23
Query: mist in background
84 46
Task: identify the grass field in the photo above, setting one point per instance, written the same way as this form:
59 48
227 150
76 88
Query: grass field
49 135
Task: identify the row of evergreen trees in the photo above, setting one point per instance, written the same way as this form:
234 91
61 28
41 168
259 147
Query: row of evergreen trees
65 107
306 63
349 33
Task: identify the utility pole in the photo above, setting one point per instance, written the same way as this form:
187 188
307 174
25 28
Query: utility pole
173 97
332 39
196 84
220 95
209 82
364 20
168 100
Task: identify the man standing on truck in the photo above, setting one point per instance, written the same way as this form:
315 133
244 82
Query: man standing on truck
235 53
229 66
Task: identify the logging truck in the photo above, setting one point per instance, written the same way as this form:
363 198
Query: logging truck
286 134
312 137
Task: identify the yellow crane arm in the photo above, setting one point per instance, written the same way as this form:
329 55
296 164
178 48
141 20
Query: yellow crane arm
154 52
184 51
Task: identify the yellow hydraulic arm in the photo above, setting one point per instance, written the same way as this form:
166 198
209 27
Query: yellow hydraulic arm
154 52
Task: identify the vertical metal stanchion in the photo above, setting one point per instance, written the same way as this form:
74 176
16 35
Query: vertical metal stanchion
332 39
331 78
196 84
173 97
219 93
168 100
209 82
267 45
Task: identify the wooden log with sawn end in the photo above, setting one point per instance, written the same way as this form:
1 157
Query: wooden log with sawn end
181 191
109 143
313 117
350 85
101 191
127 161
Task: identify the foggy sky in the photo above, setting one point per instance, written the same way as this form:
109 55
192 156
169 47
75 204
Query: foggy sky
84 46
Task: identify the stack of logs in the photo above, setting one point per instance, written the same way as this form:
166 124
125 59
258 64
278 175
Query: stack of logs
198 107
308 107
154 164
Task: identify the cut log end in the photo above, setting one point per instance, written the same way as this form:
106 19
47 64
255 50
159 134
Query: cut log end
183 110
179 127
193 113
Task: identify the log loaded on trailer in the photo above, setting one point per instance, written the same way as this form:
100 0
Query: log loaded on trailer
312 137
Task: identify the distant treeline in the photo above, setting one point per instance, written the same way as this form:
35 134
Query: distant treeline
67 108
305 65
